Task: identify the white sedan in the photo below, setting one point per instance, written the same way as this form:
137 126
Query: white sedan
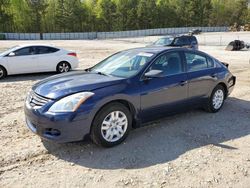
36 58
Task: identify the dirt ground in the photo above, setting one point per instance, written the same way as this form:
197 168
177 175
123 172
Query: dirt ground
193 149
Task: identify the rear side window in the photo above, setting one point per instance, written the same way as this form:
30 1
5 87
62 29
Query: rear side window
25 51
193 40
196 62
180 41
45 50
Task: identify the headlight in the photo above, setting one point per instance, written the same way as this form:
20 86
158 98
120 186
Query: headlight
70 103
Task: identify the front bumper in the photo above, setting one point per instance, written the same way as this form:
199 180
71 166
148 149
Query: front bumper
61 128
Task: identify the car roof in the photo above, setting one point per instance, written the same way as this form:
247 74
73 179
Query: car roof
30 45
154 50
159 49
176 36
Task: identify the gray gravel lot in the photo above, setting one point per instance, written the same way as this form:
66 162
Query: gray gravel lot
192 149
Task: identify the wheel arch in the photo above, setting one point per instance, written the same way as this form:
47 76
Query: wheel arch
6 71
225 88
124 102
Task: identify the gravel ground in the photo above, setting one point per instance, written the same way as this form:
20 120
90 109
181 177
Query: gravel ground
193 149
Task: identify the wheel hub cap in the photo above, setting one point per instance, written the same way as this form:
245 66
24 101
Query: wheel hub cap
114 126
64 67
218 99
1 73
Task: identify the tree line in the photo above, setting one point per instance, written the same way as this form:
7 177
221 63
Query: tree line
118 15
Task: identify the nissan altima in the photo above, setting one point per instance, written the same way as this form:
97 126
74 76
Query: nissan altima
125 91
36 58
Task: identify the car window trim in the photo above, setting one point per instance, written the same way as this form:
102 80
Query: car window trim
159 55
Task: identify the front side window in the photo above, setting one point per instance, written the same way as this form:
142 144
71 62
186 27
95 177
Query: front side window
123 64
197 62
25 51
169 64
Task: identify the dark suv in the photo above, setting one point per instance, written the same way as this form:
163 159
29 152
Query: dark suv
178 41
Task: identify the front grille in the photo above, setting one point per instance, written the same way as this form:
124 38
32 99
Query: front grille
36 101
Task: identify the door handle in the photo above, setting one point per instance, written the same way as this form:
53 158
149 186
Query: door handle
183 83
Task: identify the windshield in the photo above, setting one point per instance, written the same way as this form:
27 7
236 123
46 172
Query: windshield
164 41
123 64
9 50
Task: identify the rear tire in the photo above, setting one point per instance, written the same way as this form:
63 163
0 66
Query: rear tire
111 125
216 100
63 67
3 72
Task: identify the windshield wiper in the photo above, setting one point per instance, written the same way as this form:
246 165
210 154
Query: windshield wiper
97 72
88 70
101 73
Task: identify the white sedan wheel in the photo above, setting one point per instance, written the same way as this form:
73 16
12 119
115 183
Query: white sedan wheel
63 67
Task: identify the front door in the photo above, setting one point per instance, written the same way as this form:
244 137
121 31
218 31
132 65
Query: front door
167 92
23 60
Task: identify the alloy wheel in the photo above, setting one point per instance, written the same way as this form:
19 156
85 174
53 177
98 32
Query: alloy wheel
218 99
114 126
64 67
1 73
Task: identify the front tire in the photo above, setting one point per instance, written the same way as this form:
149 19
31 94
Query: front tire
3 72
63 67
216 100
111 125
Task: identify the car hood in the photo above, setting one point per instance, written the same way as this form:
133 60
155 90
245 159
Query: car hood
65 84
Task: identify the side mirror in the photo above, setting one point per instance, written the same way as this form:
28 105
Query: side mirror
153 74
11 54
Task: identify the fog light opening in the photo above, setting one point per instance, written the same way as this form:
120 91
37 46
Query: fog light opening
52 132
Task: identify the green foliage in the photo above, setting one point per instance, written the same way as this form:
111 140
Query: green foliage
69 16
114 15
167 14
5 15
37 10
126 14
106 14
228 12
199 12
146 12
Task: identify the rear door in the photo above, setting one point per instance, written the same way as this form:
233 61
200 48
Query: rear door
24 61
202 75
47 58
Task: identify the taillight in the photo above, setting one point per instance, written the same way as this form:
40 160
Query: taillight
226 64
72 54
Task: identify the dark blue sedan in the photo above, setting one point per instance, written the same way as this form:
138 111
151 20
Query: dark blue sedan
124 91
